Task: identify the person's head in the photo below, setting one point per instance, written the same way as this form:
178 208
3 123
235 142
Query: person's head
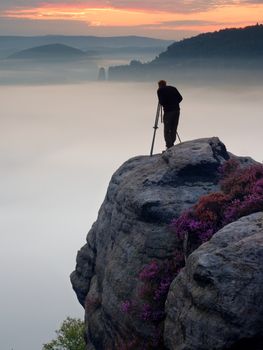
161 83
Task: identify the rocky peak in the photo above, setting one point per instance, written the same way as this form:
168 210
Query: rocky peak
132 230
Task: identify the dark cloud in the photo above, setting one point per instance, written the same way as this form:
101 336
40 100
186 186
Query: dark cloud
12 4
180 6
17 26
170 5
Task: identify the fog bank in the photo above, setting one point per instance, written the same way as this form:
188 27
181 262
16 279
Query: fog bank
60 145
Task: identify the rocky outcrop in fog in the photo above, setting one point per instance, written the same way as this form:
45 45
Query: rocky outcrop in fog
132 231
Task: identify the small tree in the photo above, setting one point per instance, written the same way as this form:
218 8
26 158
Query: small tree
70 336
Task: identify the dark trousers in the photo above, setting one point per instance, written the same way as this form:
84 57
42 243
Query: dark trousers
170 120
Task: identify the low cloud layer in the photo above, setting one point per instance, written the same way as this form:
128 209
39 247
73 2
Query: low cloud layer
187 23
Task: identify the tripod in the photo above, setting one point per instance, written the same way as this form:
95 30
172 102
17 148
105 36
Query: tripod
158 113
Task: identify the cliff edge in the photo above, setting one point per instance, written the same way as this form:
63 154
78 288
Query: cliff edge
132 245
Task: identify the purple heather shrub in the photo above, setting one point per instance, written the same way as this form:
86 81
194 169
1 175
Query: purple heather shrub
258 187
242 194
146 291
240 183
163 288
249 204
147 312
210 208
231 211
149 271
157 277
228 168
205 236
186 224
126 306
183 224
252 203
150 314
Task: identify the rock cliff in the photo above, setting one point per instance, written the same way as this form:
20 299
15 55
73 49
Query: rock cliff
132 231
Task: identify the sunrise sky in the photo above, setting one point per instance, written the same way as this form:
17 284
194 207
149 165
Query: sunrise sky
170 19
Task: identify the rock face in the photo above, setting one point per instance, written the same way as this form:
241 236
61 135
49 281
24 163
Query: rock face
132 229
216 302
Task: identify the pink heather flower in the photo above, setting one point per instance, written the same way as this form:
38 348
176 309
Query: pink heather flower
258 187
126 306
181 225
149 271
231 212
163 288
146 314
204 236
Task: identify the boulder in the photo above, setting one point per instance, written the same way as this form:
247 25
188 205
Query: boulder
216 302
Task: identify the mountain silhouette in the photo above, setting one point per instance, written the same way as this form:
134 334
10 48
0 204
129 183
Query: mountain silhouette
48 52
235 42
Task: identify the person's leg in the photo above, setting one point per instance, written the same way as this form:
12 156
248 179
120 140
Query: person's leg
170 127
167 130
174 125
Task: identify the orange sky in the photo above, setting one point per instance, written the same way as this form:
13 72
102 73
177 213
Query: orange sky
157 20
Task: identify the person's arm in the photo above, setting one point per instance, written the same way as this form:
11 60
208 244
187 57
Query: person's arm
179 97
160 97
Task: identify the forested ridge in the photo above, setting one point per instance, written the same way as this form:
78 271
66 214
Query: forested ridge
242 42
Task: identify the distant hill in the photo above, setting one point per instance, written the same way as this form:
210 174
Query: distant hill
228 48
49 52
12 44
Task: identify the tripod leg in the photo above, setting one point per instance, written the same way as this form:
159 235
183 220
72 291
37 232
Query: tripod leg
178 137
155 127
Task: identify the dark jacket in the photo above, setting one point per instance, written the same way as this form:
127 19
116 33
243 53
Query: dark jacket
169 97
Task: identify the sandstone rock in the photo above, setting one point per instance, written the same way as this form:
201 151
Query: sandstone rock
216 302
132 229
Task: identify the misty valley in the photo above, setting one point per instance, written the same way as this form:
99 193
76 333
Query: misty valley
227 56
61 59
